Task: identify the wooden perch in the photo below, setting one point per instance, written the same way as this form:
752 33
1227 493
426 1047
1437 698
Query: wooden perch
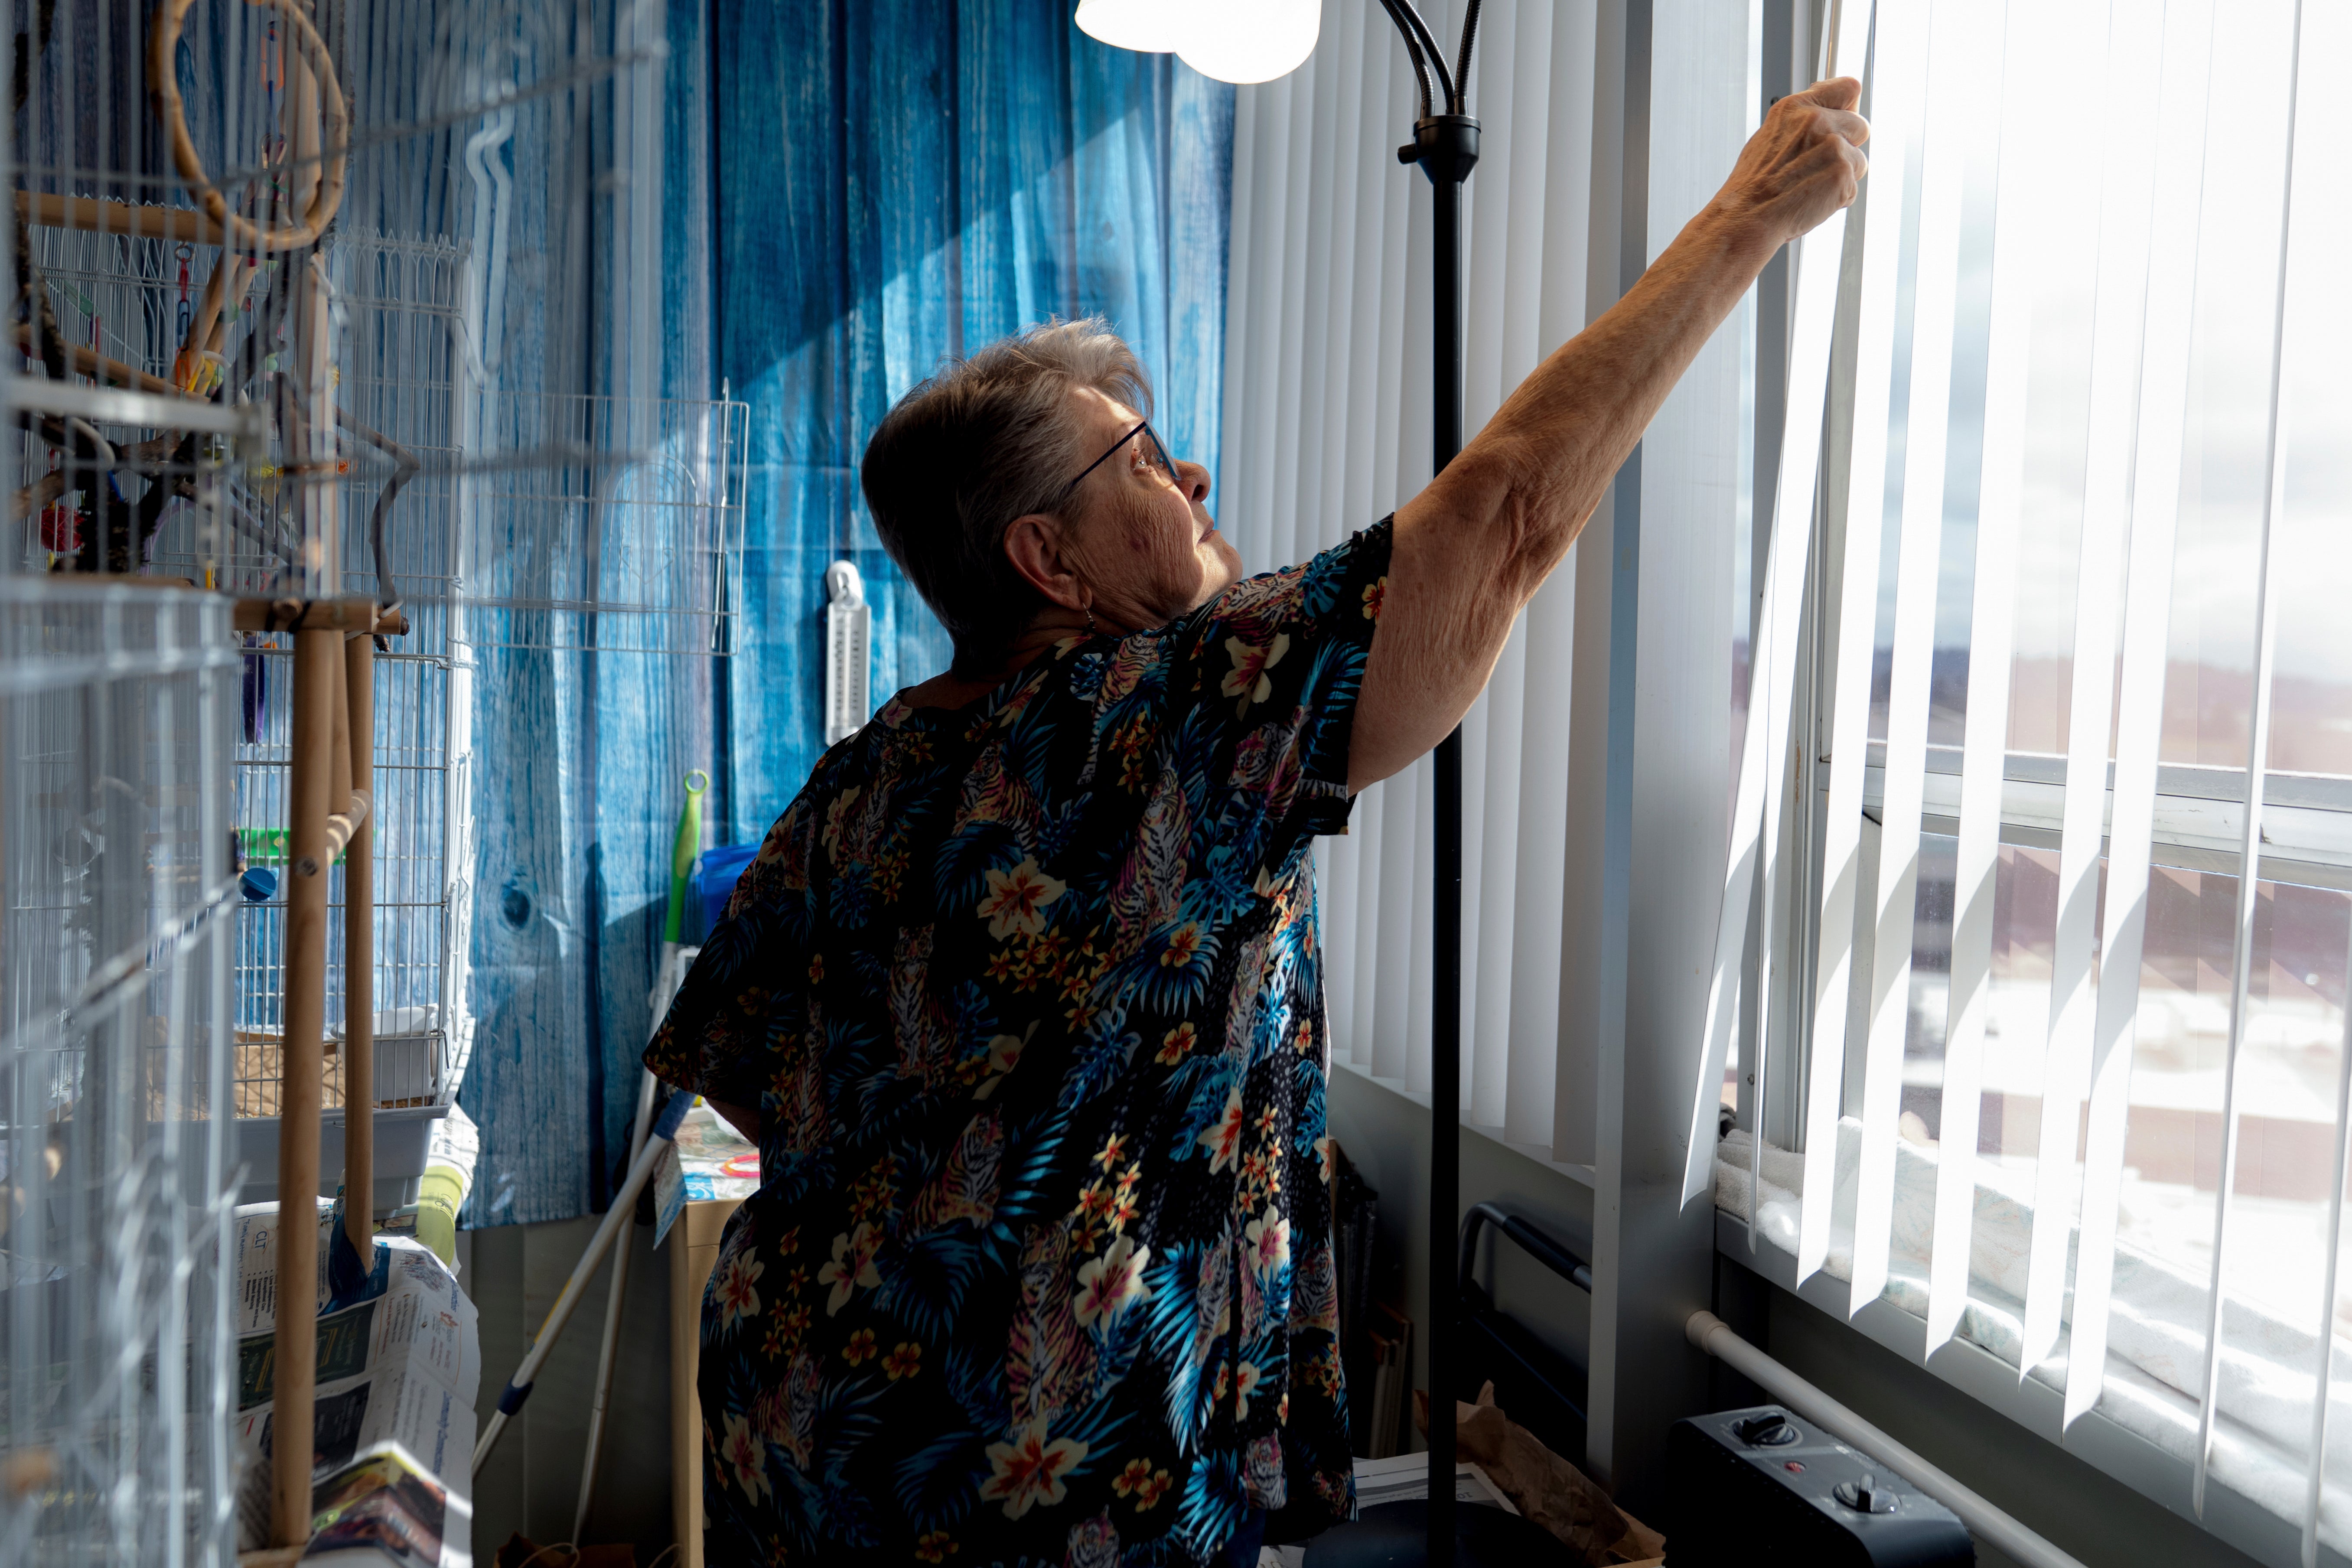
359 615
97 215
90 363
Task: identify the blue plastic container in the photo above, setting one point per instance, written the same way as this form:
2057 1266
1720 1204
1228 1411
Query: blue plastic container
713 884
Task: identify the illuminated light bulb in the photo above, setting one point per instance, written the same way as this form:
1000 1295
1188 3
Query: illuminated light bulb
1244 41
1148 26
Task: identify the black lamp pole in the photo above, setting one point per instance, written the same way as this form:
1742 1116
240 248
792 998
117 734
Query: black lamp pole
1445 144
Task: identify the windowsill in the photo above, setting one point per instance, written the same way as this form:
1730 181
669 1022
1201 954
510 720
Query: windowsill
1580 1175
2095 1439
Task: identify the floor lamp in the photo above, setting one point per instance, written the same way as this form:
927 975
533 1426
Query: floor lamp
1257 41
1445 144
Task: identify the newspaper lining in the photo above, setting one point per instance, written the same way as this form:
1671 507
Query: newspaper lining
397 1375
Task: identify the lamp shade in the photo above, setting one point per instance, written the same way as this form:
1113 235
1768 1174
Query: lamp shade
1243 41
1239 41
1149 26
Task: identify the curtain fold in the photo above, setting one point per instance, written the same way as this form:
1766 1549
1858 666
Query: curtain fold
844 194
898 183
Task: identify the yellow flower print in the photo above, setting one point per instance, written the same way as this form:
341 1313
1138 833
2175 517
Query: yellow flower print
1017 900
1003 1055
1248 679
1183 943
1375 596
933 1546
1028 1470
1224 1140
852 1266
1246 1381
860 1347
732 1290
1269 1241
1177 1045
904 1361
1109 1284
1143 1482
746 1454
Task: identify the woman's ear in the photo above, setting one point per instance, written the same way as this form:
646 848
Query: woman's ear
1033 543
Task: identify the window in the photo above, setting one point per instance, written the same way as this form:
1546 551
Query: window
2037 1061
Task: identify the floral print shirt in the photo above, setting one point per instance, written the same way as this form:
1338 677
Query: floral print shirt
1029 997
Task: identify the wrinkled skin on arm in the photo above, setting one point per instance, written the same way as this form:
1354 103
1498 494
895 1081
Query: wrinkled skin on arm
1473 547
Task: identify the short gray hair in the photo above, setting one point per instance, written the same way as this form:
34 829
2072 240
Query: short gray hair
988 440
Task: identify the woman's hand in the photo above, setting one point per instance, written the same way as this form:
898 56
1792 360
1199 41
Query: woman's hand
1802 165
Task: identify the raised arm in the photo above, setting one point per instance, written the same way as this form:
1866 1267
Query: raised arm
1473 548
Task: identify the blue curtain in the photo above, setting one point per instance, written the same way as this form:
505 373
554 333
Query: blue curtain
852 190
579 755
897 181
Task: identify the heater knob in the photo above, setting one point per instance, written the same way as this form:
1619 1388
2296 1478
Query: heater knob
1769 1430
1864 1496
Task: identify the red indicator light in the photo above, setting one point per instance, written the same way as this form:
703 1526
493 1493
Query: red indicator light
1793 1467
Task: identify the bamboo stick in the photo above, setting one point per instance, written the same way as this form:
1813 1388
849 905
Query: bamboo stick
97 215
295 1367
89 362
359 955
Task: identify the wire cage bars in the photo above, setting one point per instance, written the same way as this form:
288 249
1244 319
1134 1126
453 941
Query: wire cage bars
116 711
313 297
396 393
605 523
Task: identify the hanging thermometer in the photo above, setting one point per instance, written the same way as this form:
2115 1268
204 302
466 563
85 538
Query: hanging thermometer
849 624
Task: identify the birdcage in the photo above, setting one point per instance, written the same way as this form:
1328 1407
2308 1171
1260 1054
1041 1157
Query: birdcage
302 326
396 401
117 712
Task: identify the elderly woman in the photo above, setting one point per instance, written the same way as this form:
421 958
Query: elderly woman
1022 998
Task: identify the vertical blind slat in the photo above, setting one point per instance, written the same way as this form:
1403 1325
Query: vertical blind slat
2024 186
1951 92
2330 47
1235 453
1490 753
1814 262
2324 1351
1305 304
2148 622
1763 764
1898 79
2126 110
1505 1037
2257 762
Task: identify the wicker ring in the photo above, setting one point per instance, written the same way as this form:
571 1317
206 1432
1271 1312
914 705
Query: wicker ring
334 129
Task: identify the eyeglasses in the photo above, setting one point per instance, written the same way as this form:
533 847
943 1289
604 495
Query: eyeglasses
1155 457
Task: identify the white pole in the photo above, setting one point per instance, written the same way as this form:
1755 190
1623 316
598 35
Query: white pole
624 1209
